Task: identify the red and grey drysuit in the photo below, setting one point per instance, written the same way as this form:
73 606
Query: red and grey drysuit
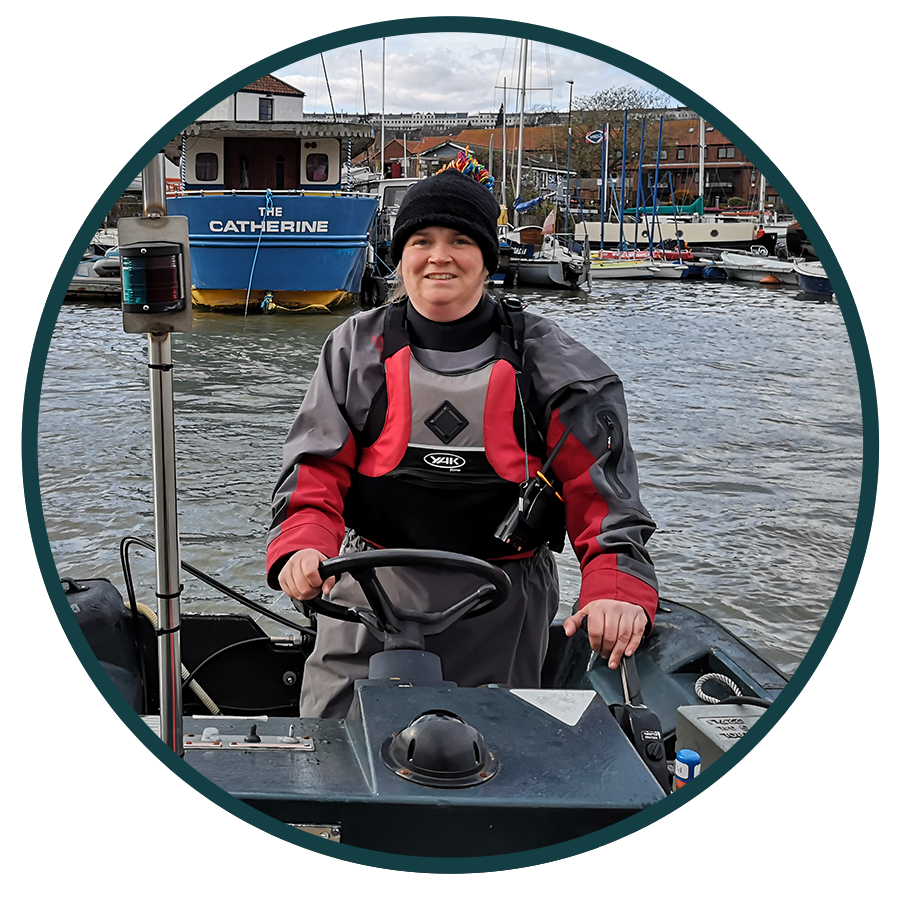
422 442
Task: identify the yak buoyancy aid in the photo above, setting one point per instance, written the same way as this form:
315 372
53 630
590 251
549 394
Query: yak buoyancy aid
443 452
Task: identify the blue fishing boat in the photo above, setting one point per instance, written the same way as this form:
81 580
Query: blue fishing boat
272 221
812 278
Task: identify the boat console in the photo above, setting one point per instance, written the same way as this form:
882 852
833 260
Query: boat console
421 766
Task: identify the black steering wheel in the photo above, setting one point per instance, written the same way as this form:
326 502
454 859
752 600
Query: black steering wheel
407 628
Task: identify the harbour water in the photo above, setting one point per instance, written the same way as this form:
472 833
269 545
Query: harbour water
744 413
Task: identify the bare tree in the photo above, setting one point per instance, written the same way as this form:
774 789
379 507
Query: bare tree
623 97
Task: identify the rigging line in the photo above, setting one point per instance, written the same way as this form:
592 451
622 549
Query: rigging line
328 85
497 82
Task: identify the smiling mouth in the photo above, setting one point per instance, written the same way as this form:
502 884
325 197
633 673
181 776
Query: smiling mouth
439 276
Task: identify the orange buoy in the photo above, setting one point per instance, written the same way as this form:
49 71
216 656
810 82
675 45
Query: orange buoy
769 279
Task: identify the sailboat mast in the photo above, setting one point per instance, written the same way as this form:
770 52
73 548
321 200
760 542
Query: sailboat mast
604 175
622 188
639 191
521 124
328 85
503 176
702 163
383 42
654 215
762 199
569 157
362 75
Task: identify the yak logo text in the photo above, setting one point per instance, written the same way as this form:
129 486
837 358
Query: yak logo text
444 461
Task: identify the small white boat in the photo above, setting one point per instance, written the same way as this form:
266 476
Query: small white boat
757 267
624 268
668 269
87 283
549 263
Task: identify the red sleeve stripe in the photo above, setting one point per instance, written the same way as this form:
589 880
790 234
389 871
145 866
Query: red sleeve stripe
385 454
586 511
315 511
501 447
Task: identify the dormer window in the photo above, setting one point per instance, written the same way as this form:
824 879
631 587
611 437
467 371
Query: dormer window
265 109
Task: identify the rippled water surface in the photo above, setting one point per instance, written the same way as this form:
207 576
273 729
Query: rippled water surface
744 412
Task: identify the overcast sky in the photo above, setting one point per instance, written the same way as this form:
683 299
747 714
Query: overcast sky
450 72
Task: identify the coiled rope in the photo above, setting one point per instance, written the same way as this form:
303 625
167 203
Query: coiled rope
722 679
270 207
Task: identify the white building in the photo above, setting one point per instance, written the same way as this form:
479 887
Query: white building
268 99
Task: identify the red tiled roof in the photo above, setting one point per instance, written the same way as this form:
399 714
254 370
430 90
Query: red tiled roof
535 139
269 84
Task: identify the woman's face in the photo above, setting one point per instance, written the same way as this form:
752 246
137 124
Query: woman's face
443 272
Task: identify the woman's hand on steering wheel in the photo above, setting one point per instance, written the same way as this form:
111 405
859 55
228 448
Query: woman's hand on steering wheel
300 577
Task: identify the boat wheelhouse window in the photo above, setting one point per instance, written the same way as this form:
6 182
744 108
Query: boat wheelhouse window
726 152
394 194
663 154
265 109
279 172
317 167
706 152
206 167
680 154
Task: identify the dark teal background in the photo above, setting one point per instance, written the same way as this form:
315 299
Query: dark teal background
800 794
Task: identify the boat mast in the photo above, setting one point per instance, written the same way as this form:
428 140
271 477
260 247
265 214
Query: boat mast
639 192
762 199
383 42
604 175
622 188
328 85
702 164
362 75
655 215
503 169
569 158
521 125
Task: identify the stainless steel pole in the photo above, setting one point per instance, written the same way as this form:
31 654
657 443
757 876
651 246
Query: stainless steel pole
168 553
153 183
165 507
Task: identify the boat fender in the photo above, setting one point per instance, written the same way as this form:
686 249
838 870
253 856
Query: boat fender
106 625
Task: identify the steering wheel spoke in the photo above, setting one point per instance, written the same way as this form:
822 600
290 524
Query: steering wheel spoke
407 628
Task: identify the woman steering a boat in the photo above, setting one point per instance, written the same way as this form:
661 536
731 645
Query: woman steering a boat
422 421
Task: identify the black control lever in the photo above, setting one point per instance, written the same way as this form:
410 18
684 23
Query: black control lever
641 725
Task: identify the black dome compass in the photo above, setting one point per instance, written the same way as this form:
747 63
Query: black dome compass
440 749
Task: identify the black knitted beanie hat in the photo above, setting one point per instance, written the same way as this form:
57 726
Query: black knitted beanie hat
450 199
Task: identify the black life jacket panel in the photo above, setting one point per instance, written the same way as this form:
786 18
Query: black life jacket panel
446 465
